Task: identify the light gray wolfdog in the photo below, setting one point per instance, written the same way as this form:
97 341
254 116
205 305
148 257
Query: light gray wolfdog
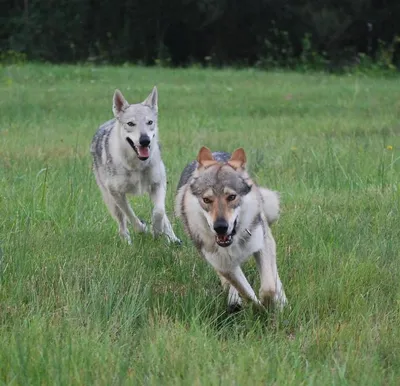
228 217
127 160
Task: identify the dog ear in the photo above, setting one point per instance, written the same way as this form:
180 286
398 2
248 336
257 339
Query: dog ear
205 157
238 159
119 103
152 100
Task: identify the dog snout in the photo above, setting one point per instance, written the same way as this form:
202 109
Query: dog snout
144 140
221 226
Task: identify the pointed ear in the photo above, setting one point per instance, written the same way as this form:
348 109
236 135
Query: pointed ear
205 157
119 103
238 159
152 100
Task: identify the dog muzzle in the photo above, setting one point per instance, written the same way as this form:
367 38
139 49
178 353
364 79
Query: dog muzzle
225 240
143 152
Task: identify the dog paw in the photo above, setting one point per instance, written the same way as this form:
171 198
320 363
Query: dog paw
234 300
141 226
175 241
280 301
272 300
126 237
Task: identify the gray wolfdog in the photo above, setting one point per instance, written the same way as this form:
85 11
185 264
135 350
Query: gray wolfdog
127 160
228 216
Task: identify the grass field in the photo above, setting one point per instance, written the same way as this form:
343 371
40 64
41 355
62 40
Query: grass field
78 306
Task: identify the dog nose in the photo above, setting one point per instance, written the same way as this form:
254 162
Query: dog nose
144 140
221 226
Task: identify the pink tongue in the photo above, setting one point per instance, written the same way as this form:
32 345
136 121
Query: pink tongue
143 151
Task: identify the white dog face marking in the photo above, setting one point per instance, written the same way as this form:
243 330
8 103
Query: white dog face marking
138 122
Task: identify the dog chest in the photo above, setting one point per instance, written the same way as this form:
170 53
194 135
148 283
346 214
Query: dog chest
137 183
226 259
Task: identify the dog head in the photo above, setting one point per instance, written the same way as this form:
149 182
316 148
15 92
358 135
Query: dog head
220 189
138 122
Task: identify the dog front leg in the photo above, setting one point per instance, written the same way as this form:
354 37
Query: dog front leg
239 284
122 202
161 223
271 290
224 283
234 299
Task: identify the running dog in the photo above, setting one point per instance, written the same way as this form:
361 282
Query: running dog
228 218
127 160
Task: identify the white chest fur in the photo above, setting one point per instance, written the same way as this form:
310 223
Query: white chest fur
226 259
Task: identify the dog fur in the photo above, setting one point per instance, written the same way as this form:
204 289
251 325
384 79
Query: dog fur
127 160
228 218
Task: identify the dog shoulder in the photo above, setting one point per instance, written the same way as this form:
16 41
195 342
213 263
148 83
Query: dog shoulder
102 133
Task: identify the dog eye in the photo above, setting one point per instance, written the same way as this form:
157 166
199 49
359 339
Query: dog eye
150 123
231 197
206 200
131 124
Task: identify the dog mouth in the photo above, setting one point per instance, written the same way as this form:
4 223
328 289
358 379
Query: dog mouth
143 152
226 240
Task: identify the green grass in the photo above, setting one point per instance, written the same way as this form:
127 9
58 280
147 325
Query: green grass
78 306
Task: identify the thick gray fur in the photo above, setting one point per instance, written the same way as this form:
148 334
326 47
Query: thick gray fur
188 171
119 171
201 201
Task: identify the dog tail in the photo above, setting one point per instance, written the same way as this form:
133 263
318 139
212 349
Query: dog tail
270 204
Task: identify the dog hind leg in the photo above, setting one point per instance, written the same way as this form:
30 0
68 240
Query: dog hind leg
271 289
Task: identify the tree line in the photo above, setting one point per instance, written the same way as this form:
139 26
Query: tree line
213 32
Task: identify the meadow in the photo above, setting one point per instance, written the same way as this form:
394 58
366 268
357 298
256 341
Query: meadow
78 306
